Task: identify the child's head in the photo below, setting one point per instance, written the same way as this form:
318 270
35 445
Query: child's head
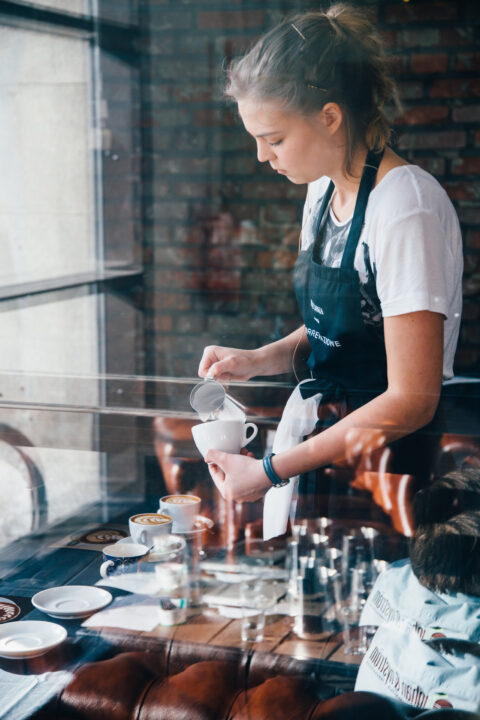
445 550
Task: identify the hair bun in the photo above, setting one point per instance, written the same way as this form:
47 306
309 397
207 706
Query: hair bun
322 51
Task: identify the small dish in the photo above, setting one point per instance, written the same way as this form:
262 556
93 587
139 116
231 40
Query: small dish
201 524
71 601
28 638
169 546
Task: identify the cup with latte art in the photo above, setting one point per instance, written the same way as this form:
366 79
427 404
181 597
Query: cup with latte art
146 527
183 509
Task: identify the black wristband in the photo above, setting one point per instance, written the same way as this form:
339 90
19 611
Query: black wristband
275 479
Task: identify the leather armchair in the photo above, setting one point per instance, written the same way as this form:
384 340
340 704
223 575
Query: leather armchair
137 686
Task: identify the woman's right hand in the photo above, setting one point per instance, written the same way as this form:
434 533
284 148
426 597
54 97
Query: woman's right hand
224 363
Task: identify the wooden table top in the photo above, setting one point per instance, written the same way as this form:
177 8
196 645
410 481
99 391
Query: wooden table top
58 558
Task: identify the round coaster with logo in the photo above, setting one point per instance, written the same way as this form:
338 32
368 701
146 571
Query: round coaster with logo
8 610
103 536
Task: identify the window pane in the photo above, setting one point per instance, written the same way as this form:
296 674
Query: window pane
46 188
48 229
80 7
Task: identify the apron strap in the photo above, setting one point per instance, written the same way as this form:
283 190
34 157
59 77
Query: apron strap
323 207
369 174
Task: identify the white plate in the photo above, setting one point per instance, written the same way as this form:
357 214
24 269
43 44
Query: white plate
29 638
71 601
171 544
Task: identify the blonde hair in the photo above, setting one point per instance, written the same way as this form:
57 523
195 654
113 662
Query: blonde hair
318 57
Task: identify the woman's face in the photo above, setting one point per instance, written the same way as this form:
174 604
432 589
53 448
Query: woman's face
300 147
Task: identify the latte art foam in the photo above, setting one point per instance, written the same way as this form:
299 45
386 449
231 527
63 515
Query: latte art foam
181 499
156 519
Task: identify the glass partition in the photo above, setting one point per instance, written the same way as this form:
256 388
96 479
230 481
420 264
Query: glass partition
138 227
66 298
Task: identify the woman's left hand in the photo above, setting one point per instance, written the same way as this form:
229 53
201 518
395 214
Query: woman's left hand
237 477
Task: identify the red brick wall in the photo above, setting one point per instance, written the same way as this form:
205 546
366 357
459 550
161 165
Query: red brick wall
221 231
437 60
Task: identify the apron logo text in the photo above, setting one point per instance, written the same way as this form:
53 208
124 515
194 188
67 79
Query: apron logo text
316 308
329 343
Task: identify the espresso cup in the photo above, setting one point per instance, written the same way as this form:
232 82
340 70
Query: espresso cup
227 435
119 556
183 509
146 527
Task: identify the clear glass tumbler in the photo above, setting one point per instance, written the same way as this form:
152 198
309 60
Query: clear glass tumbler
256 601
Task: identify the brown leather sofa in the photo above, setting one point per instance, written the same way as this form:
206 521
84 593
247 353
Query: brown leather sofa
138 686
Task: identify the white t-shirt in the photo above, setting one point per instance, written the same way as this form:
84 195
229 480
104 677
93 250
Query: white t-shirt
412 244
398 598
398 664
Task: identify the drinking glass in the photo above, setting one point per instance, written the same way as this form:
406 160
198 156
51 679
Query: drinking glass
310 589
349 600
256 601
172 576
313 614
333 559
306 552
353 549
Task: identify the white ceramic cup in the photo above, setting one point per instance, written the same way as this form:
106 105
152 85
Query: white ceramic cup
227 435
183 509
146 527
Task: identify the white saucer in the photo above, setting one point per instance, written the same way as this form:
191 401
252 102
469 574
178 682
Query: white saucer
201 524
170 546
71 601
29 638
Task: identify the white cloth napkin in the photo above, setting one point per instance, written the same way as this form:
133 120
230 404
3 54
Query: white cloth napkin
299 418
22 695
233 578
132 612
133 582
234 613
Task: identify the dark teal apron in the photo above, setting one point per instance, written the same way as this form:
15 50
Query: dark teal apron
347 358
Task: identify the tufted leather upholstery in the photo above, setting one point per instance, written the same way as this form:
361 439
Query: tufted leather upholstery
136 686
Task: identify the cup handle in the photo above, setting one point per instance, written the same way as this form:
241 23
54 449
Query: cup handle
246 437
104 568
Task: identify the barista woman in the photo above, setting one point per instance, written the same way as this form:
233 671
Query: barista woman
378 277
